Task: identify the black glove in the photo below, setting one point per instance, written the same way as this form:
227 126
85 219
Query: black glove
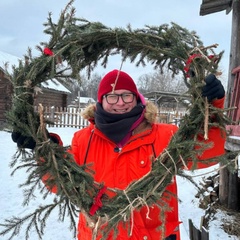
213 88
23 141
29 142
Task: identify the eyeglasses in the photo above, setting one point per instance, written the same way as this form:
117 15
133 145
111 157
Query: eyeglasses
113 98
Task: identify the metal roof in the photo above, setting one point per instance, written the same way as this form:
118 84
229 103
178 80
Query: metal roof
166 98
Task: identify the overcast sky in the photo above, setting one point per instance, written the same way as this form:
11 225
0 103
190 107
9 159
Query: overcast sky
21 24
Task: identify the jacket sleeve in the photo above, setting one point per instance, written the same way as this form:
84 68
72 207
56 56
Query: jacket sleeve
216 139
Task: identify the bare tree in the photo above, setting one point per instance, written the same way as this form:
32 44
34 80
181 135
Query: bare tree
85 87
89 85
159 81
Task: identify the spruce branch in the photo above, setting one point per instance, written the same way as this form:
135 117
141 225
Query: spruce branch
82 45
37 220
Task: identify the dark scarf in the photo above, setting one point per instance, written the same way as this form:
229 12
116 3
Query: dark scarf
116 126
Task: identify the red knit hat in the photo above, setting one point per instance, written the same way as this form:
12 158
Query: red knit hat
116 80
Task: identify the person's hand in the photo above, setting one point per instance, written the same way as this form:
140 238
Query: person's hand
23 141
213 88
28 142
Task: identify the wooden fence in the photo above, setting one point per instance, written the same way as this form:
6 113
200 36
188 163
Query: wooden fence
71 117
65 117
196 234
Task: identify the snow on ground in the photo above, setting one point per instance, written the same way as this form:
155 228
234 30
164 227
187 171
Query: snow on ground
11 198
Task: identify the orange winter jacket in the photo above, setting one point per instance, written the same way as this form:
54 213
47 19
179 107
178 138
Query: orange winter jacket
117 168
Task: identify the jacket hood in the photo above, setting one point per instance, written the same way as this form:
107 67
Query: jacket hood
150 112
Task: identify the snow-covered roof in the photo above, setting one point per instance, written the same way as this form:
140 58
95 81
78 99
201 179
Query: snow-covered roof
10 60
55 85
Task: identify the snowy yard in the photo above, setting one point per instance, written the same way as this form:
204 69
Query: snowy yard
11 197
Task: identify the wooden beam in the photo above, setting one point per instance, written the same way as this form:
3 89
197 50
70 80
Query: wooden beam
234 56
208 7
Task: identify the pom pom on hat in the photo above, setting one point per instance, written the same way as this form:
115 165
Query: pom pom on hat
116 80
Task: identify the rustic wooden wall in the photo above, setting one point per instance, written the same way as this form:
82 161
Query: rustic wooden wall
6 91
49 98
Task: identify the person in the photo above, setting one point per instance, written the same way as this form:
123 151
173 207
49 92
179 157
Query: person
119 144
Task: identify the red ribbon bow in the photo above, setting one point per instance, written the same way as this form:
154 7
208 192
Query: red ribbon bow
48 52
97 203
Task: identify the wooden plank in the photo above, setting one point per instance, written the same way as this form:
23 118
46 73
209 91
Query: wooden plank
234 51
204 234
223 185
235 98
237 102
196 233
213 6
233 198
236 70
190 224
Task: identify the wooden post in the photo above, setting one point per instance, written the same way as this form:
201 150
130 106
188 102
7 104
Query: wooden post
234 61
228 187
52 113
223 186
233 197
234 58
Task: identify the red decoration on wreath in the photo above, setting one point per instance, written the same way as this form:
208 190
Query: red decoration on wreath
214 57
97 203
189 61
48 52
191 58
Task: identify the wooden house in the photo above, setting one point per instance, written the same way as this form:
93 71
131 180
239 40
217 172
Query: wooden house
51 93
6 88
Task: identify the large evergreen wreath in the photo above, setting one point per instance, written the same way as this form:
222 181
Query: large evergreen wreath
81 44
